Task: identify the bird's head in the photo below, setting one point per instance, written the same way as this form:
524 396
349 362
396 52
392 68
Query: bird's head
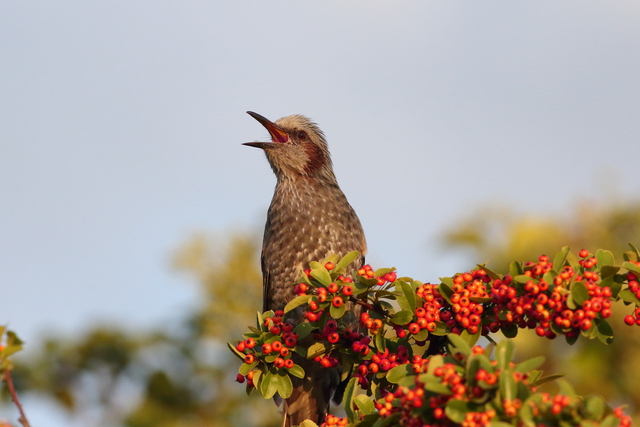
297 148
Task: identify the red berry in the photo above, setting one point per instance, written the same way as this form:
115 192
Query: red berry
241 346
329 266
333 337
279 362
583 253
414 328
288 363
337 302
276 346
266 348
333 287
585 324
240 378
390 277
290 342
275 330
629 320
347 290
250 343
249 358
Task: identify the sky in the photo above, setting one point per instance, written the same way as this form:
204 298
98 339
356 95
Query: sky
121 126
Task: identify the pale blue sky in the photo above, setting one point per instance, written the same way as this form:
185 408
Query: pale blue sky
121 126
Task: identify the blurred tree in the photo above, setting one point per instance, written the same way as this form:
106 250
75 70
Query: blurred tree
179 375
498 235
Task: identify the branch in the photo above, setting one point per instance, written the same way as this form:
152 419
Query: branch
23 418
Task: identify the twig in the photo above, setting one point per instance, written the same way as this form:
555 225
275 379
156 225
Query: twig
23 418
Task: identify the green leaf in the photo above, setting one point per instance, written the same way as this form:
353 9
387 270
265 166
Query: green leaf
579 293
421 336
608 271
409 295
270 358
382 271
392 420
508 388
320 273
546 379
459 344
337 312
307 423
378 340
489 272
594 407
285 387
611 283
471 339
566 388
628 296
604 331
297 371
13 340
630 256
529 364
437 387
296 302
269 385
604 257
509 330
456 410
560 258
441 329
610 421
246 367
346 260
333 258
348 399
402 317
359 287
522 278
303 330
365 405
473 365
235 351
504 353
445 290
631 267
515 269
499 424
316 349
395 375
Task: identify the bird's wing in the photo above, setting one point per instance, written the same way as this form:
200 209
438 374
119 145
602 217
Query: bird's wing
266 278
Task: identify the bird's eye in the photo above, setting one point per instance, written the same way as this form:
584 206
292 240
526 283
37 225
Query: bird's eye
302 135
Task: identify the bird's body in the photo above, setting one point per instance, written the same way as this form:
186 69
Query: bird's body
309 218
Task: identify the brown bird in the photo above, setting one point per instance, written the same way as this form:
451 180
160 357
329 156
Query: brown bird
309 218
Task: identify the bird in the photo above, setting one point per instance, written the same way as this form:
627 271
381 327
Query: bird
309 218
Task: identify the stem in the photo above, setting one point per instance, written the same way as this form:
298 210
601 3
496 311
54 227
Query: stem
23 418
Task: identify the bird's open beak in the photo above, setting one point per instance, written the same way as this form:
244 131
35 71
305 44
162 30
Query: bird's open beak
277 134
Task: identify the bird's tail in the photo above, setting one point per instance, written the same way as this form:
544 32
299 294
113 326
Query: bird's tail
311 395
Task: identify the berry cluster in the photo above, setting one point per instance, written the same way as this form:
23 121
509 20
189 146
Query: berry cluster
469 292
274 347
367 272
332 420
567 304
381 361
428 314
443 387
